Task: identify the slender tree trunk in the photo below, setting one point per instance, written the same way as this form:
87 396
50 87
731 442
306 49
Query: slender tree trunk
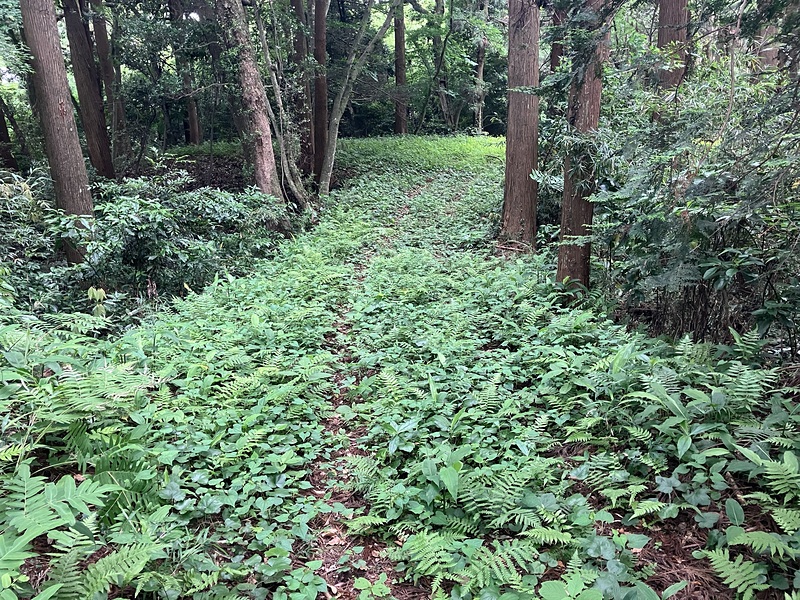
302 98
400 102
7 160
574 254
87 84
320 87
480 66
673 25
122 141
55 112
519 205
353 69
183 66
231 17
5 109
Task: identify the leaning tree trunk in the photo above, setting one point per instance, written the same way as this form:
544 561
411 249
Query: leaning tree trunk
231 17
320 87
519 205
574 253
55 112
673 25
87 83
400 102
7 159
302 97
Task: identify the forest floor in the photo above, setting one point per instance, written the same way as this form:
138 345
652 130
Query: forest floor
390 409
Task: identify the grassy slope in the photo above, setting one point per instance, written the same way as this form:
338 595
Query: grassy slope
387 379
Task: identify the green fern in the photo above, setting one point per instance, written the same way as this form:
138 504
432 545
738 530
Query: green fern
743 576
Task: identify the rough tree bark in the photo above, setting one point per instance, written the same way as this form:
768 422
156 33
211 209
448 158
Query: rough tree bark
519 204
15 127
673 25
574 253
302 98
7 159
55 112
87 83
768 53
320 87
400 102
231 17
557 47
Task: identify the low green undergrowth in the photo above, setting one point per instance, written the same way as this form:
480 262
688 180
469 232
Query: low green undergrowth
513 444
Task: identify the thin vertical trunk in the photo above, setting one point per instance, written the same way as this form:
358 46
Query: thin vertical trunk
60 133
87 84
122 141
400 102
320 87
574 253
231 17
5 109
7 159
302 98
480 66
183 66
519 205
354 65
673 25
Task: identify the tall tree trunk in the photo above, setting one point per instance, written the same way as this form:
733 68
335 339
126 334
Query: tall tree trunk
55 112
320 87
183 66
354 65
120 143
302 98
480 66
673 25
231 17
87 83
519 205
574 253
400 102
7 160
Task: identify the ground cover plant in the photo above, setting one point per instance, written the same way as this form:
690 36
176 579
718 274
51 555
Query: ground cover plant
391 407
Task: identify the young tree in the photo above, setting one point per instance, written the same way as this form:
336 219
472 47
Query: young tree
183 66
574 253
480 66
519 204
55 112
231 18
87 83
400 102
673 25
320 87
354 64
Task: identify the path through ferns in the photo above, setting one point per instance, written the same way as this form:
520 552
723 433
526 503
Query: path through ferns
387 408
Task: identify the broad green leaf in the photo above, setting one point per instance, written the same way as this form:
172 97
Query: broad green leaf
734 512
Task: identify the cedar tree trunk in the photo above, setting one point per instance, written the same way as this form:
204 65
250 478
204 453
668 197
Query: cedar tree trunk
55 112
87 83
574 253
519 204
302 99
400 102
320 87
673 25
